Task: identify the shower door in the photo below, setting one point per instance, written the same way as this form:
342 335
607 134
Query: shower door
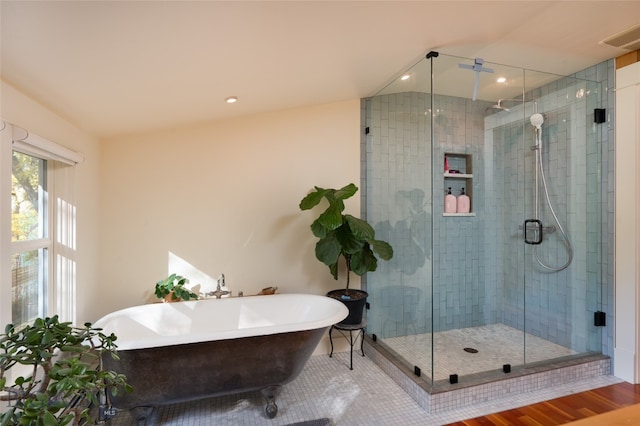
562 202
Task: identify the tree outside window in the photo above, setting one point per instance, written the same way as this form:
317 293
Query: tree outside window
29 235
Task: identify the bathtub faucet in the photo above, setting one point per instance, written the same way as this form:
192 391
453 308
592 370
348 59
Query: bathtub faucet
219 292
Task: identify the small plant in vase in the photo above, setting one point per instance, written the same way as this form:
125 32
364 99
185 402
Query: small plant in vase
172 289
344 236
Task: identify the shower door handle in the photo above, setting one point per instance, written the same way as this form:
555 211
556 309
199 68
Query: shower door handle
533 226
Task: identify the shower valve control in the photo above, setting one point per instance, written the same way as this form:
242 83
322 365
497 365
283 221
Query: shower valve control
533 231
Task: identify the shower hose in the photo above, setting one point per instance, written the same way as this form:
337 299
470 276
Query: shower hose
564 236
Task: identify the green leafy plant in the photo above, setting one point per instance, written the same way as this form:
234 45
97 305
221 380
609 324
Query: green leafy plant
173 289
343 235
64 363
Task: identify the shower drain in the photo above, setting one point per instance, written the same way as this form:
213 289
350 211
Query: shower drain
471 350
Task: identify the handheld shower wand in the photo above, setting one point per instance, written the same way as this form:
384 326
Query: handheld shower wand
537 120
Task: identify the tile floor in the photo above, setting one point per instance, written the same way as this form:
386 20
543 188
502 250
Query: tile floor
326 388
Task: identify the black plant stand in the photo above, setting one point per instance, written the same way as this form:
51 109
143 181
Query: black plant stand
342 328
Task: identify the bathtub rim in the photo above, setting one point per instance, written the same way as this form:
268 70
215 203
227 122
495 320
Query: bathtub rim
335 310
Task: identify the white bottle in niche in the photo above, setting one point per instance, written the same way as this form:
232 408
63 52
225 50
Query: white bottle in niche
450 202
463 203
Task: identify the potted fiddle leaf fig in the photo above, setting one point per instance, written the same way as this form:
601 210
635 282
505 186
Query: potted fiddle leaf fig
172 289
346 237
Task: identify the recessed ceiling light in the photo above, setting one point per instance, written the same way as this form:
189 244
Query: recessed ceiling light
502 79
405 77
231 99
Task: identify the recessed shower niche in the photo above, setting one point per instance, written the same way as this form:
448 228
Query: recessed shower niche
470 280
458 180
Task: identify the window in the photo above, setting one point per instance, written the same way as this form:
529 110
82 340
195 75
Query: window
30 241
37 227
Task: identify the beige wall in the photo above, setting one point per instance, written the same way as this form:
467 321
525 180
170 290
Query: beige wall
23 111
222 197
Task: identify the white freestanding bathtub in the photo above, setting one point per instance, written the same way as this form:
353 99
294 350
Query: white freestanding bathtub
172 352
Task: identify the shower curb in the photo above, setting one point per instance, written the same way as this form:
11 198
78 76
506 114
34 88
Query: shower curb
444 397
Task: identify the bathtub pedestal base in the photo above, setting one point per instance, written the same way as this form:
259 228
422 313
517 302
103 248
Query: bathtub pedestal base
270 393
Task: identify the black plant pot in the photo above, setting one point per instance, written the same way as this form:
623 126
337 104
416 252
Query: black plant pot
354 300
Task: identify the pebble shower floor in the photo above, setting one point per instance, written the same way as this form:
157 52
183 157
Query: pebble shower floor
326 388
497 344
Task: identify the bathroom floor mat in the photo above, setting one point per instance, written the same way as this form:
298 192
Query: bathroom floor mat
317 422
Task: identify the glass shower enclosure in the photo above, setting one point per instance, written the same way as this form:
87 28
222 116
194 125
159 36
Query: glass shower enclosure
508 278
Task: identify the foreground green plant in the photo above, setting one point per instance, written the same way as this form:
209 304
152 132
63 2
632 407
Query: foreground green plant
64 362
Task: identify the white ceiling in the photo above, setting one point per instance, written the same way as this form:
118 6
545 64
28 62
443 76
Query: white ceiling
119 67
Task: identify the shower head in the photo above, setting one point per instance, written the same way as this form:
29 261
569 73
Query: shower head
536 120
498 106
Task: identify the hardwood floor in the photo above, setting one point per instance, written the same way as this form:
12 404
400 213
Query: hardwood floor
565 409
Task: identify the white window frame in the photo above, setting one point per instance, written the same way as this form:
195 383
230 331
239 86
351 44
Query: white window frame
60 217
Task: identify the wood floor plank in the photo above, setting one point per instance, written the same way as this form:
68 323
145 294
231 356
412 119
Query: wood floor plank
588 412
605 401
493 420
621 393
548 414
629 415
528 421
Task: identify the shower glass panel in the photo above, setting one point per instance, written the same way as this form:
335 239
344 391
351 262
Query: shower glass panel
399 201
513 279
